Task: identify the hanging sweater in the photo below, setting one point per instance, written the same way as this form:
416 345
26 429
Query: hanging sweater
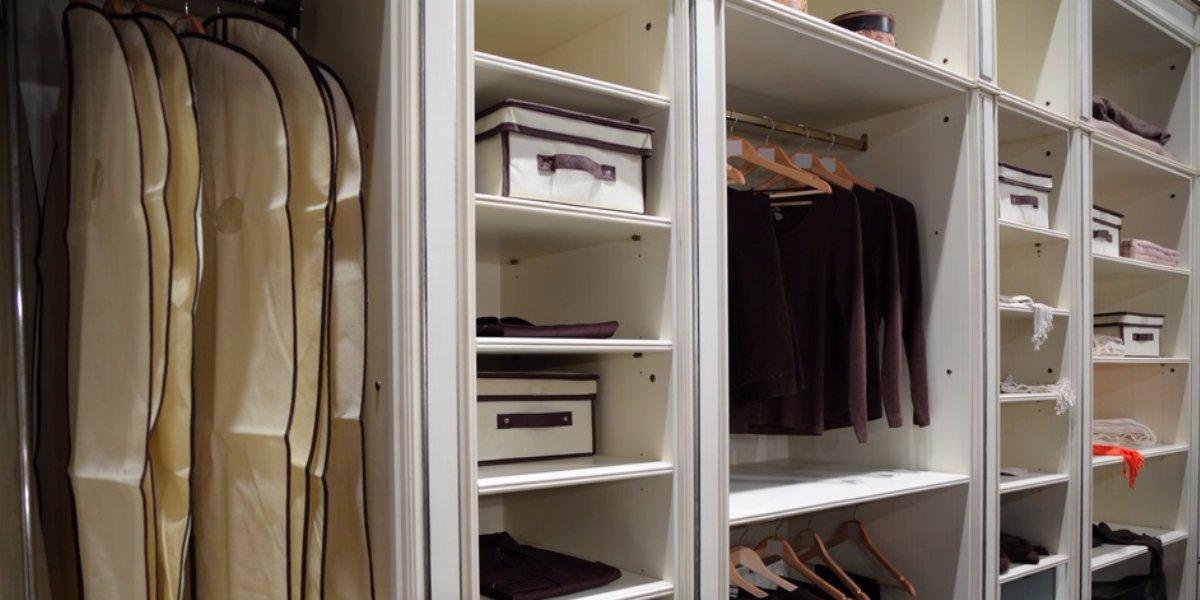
908 248
882 305
820 254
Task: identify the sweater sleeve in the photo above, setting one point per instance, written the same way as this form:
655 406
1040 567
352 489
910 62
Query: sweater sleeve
850 287
914 303
892 309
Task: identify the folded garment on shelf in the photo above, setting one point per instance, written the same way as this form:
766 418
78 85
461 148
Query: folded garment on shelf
1133 138
1043 317
1149 252
512 571
1013 472
517 327
1105 109
1133 460
1151 586
1107 345
1019 550
1063 391
1122 431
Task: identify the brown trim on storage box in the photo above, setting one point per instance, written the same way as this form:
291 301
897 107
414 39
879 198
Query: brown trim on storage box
1023 200
538 398
1102 233
1107 211
1125 312
536 375
1026 185
509 461
534 420
570 114
1025 170
561 137
1143 337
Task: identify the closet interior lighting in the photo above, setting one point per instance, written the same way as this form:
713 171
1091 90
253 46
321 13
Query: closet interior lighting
803 131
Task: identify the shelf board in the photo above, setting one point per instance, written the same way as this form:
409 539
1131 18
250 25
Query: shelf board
1148 452
1014 398
776 489
851 68
515 345
1031 481
513 228
563 472
1019 571
1120 161
1119 267
630 586
498 78
1021 234
1140 360
1047 122
1026 312
1108 555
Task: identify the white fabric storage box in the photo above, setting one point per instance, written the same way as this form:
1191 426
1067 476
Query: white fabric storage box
539 152
1141 332
1106 231
1025 195
534 416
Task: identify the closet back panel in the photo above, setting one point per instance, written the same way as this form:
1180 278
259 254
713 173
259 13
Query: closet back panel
1034 437
1039 516
621 41
935 30
1040 272
1173 566
1157 501
1154 395
627 524
1034 51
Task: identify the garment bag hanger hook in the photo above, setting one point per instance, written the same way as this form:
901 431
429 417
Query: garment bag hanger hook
778 527
767 141
732 123
804 140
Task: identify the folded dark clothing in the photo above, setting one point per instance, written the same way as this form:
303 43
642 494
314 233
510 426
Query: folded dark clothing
517 327
1019 550
1151 586
511 571
1107 110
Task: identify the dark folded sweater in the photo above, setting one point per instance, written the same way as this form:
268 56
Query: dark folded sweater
1107 110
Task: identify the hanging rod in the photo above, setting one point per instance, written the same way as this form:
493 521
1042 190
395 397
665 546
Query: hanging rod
288 11
859 144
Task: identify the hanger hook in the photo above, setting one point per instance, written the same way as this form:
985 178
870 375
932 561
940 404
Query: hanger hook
854 513
805 137
187 10
832 140
778 527
742 536
767 141
810 520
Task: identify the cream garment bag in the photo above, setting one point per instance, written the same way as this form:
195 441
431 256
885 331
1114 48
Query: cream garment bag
312 154
245 329
110 326
347 547
143 64
171 438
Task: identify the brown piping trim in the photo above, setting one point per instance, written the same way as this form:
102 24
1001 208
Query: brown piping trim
537 398
560 137
509 461
563 112
1025 170
1025 185
1102 222
1107 211
1125 313
536 375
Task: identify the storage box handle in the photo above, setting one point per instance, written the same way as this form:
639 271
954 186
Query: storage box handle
551 163
534 420
1102 234
1023 200
1143 337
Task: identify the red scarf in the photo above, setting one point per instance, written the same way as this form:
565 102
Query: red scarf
1133 459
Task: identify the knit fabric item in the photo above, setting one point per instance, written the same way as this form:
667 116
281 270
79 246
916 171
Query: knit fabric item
1145 250
1064 394
1107 345
1133 460
1043 317
1122 431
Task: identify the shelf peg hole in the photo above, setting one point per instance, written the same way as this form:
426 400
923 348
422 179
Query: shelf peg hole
378 386
637 354
945 61
648 26
513 261
1049 153
949 371
637 238
1050 370
653 378
946 119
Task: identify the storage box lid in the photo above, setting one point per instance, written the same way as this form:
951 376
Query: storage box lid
1106 216
1028 178
1128 318
542 120
546 385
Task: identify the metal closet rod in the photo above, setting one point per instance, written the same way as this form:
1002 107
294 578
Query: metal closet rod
287 10
804 131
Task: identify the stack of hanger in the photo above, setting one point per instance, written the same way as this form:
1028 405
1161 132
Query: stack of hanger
827 580
202 321
820 313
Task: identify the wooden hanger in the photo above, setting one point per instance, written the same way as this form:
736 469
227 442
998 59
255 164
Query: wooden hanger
776 546
734 176
841 170
844 534
741 556
114 6
188 18
741 148
818 548
811 162
141 6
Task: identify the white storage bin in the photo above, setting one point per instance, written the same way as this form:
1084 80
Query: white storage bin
1025 195
1141 332
1106 231
534 416
539 152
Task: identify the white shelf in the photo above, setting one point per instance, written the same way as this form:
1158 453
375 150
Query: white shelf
1014 398
498 78
536 475
1108 555
781 488
630 586
514 345
1021 234
852 69
1031 481
1018 571
1140 360
1036 112
1119 267
1026 312
1114 152
1148 452
512 228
